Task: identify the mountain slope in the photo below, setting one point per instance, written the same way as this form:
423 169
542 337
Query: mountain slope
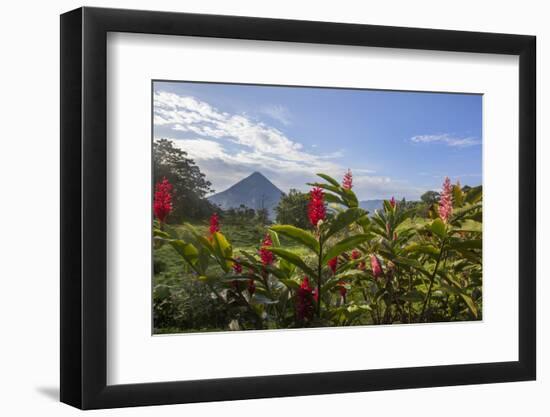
371 205
255 191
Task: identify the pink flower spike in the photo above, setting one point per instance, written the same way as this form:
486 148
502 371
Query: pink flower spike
375 266
392 202
446 201
347 182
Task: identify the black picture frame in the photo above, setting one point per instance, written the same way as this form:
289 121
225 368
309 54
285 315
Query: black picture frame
84 207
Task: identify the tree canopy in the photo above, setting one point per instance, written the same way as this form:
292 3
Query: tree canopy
292 209
190 184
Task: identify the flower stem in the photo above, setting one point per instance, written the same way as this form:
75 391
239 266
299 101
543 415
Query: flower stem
432 279
319 269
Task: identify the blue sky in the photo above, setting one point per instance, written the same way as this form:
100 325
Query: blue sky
396 143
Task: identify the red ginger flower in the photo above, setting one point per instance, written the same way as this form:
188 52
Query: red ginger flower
347 182
392 202
214 224
375 266
304 301
316 210
266 256
162 204
446 201
333 264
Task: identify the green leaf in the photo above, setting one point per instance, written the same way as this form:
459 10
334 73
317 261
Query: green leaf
344 245
290 283
344 219
438 228
474 195
421 248
327 187
299 235
262 299
467 299
465 209
412 263
274 238
350 274
470 226
466 244
160 233
329 179
470 303
293 259
413 296
286 267
279 273
331 198
350 198
186 250
161 291
223 250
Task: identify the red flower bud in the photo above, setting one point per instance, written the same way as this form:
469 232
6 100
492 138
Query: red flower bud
375 266
347 182
355 254
392 202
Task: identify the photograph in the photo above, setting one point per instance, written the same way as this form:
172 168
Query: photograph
288 207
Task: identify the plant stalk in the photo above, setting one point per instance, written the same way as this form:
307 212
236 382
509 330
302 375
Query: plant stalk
432 279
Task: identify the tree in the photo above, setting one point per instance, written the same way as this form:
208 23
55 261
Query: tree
292 209
190 184
430 197
262 216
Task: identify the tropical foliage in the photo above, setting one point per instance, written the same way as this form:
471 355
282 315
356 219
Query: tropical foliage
342 266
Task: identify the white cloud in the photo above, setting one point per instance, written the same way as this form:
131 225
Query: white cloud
447 139
228 147
277 112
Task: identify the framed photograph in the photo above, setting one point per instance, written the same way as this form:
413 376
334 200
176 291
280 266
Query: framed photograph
258 208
